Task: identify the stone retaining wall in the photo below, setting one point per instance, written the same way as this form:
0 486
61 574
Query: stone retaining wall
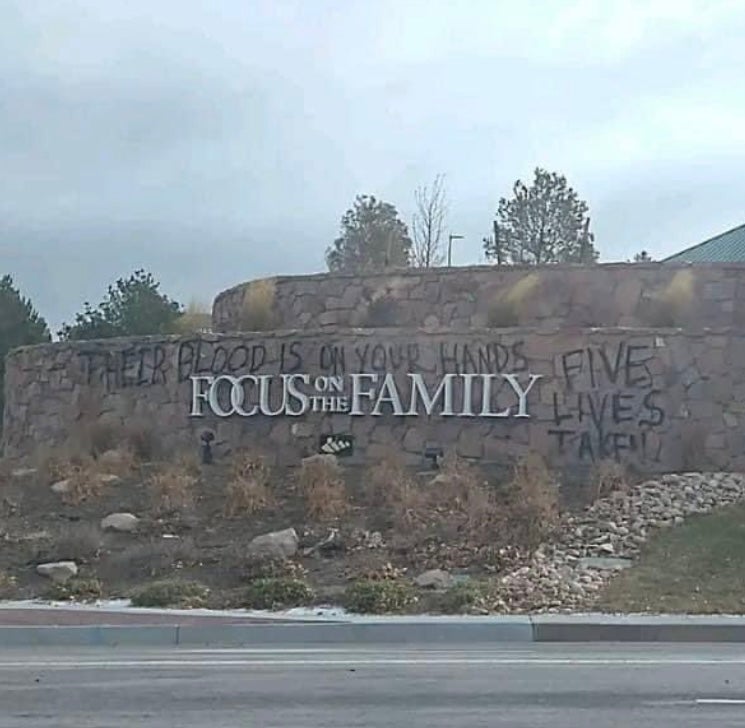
616 294
659 400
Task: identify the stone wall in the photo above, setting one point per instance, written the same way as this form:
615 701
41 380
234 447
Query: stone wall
615 294
656 399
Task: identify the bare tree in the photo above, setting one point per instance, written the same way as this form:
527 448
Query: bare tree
428 224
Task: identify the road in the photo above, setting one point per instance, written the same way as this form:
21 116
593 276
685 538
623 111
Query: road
532 685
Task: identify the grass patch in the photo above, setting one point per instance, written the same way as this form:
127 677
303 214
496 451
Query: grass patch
277 593
171 593
695 567
368 596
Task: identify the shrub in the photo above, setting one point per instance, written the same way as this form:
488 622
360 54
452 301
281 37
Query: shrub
277 593
465 598
247 490
379 597
257 311
322 486
78 590
172 489
462 489
508 307
171 593
533 502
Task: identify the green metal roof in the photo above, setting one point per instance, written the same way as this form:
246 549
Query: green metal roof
726 247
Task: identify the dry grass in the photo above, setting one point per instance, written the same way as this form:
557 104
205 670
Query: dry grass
257 310
533 502
608 476
171 488
248 488
196 319
509 306
321 483
670 307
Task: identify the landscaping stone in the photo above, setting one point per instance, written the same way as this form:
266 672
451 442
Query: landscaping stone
23 472
124 522
435 579
275 545
58 571
61 487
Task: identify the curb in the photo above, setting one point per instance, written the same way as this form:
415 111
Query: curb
508 629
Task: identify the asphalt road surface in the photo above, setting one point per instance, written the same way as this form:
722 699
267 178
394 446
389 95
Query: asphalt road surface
561 686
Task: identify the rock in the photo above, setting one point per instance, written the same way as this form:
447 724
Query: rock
114 458
23 472
435 579
606 547
274 545
58 571
108 478
124 522
61 487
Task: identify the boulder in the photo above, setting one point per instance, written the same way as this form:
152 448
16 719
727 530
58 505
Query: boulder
275 545
435 579
58 571
23 472
125 522
604 563
107 478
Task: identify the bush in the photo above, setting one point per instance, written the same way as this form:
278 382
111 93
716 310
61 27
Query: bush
322 487
78 590
257 311
172 488
466 598
277 593
247 490
379 597
171 593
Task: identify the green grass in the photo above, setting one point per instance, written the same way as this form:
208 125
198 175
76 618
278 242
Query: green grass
696 567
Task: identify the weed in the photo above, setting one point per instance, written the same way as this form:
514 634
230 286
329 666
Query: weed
172 489
247 490
277 593
171 593
379 597
77 590
322 486
257 310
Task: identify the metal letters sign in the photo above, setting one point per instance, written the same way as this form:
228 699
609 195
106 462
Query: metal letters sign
479 395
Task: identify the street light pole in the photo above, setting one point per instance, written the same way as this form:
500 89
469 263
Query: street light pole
452 237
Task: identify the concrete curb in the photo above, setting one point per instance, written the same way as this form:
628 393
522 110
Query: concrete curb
508 629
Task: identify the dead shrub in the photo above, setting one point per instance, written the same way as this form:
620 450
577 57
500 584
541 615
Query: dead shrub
607 477
248 488
171 489
532 503
78 542
322 486
462 489
84 483
669 307
394 486
257 311
509 306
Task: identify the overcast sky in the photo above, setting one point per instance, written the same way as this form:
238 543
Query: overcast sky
213 142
